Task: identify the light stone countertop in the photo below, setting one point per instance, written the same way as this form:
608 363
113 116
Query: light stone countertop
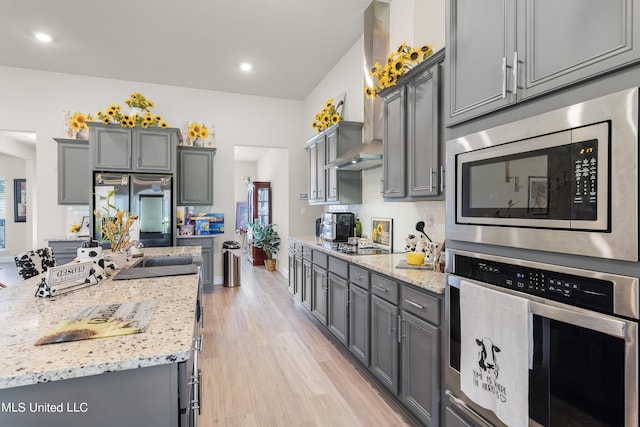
25 318
385 264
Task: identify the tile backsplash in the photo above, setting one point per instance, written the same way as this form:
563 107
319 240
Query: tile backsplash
405 214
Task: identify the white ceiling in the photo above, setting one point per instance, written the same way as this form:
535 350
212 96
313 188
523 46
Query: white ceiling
292 44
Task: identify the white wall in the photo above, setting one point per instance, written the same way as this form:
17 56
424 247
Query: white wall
15 232
35 101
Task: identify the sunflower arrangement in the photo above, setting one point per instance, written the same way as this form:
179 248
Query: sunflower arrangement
399 62
197 130
114 224
77 122
326 117
113 114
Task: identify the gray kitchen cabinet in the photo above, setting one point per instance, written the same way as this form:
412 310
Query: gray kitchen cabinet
343 186
307 277
384 343
292 266
316 148
338 300
74 173
195 175
296 290
516 57
319 286
359 313
328 184
413 158
65 250
206 242
394 144
114 148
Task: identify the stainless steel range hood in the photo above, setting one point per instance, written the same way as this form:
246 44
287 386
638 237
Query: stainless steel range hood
376 48
365 156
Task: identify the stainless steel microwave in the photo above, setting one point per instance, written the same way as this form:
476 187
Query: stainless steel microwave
564 181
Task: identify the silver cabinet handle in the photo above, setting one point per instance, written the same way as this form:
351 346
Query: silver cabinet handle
390 321
441 179
400 333
515 73
430 179
380 288
416 305
504 77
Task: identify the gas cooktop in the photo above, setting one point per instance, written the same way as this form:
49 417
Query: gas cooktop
348 249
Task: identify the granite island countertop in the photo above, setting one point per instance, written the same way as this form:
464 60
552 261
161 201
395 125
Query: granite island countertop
26 318
429 280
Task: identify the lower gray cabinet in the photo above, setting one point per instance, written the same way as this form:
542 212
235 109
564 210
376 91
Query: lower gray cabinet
307 277
338 307
206 242
297 283
292 266
319 288
359 322
384 343
74 173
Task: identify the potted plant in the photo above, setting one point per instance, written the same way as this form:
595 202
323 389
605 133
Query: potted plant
265 237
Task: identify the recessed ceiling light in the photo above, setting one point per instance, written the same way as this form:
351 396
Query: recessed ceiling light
46 38
245 66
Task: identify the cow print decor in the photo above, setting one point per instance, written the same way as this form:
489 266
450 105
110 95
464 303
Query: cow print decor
32 263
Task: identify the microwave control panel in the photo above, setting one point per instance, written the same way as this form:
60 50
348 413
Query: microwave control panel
585 171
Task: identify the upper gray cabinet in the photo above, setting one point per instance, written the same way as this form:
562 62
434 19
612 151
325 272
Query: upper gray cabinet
195 175
331 185
413 160
114 148
501 52
74 174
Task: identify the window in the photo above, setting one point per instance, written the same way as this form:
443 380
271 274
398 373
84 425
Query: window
2 212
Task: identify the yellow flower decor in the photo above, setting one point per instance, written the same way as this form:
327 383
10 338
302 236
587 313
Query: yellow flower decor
113 114
75 228
326 117
114 224
77 122
399 62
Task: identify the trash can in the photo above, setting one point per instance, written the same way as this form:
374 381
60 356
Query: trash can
231 263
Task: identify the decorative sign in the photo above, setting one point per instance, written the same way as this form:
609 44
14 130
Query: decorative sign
67 278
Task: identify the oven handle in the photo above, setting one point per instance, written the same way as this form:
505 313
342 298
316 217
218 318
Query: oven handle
586 319
461 404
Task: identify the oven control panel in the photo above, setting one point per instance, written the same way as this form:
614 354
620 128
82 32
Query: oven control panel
578 291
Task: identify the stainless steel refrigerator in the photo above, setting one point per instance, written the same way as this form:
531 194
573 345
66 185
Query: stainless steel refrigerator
149 196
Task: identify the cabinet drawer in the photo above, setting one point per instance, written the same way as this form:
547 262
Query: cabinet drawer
339 267
384 288
64 247
307 253
359 276
320 259
421 304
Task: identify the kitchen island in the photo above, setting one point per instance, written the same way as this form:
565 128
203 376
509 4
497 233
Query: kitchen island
123 380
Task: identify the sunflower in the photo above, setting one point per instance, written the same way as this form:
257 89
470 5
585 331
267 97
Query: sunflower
204 132
85 328
398 66
414 55
164 125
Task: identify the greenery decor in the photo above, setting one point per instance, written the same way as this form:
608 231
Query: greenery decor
265 237
399 62
326 117
114 224
143 118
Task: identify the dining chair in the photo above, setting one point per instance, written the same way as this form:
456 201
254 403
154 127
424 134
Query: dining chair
32 263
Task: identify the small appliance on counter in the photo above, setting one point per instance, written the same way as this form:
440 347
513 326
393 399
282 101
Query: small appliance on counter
89 250
337 227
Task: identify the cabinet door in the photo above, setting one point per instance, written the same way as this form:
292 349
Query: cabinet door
359 323
307 277
589 37
338 314
384 343
321 183
74 172
153 150
423 140
319 293
112 148
292 271
480 52
195 176
393 158
420 375
207 257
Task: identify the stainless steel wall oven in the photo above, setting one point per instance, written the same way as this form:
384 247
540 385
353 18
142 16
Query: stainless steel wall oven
585 335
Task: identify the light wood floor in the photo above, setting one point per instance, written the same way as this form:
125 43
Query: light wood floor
264 363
